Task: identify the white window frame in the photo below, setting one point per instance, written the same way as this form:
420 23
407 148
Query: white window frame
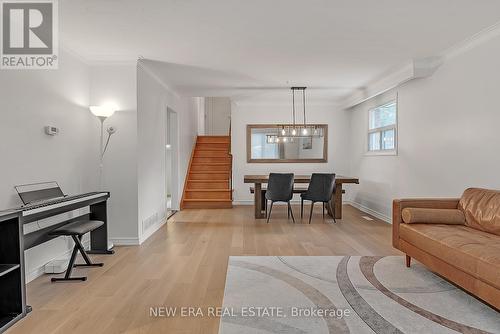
394 127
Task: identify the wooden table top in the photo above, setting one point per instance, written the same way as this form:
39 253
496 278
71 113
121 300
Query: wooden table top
298 179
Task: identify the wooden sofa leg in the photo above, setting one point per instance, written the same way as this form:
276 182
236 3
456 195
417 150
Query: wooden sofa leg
408 261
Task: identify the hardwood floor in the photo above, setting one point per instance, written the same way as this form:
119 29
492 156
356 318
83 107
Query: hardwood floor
184 264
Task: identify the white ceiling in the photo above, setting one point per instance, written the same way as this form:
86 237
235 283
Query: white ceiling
239 47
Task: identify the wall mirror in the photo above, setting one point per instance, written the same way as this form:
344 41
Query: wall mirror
267 143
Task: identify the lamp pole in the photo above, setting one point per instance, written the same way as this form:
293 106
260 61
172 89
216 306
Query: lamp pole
101 155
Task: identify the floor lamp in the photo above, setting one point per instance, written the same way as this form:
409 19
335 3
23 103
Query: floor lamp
103 112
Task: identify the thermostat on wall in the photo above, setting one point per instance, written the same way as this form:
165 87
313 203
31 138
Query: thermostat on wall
51 130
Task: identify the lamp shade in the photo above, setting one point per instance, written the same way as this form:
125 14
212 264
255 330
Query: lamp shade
103 111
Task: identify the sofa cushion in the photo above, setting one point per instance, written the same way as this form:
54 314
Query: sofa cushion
433 216
481 208
474 252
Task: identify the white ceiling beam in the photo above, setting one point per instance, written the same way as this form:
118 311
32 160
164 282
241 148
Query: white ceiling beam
414 69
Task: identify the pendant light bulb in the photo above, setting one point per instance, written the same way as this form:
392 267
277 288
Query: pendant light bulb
294 132
304 131
283 131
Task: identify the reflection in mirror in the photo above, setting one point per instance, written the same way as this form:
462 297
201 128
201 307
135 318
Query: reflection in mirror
276 143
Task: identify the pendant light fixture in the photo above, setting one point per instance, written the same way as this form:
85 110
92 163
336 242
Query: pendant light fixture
288 132
296 130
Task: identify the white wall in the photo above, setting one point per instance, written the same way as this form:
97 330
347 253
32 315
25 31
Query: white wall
29 101
117 84
201 115
448 134
217 116
32 99
243 114
153 99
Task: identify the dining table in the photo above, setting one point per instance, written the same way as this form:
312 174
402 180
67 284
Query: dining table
335 202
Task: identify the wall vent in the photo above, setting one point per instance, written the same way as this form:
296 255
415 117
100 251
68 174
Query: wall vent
152 220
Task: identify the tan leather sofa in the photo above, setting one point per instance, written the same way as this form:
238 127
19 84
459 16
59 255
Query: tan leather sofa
468 253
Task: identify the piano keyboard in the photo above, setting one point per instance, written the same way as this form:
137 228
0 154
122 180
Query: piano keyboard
60 202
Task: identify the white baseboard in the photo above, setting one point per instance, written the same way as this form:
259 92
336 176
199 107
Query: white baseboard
372 212
124 241
243 202
150 231
40 270
127 241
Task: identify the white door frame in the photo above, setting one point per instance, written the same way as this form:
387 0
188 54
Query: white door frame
172 138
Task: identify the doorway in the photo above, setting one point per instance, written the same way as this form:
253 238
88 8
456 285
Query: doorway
171 163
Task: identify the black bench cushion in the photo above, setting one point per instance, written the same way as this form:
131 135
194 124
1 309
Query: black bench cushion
79 227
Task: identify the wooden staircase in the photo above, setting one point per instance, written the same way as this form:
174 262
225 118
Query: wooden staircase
208 181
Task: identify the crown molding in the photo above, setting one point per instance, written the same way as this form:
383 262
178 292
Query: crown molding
418 68
158 79
472 42
65 49
414 69
279 103
111 60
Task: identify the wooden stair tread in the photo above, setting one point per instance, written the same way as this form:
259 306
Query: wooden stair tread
211 163
208 190
213 181
209 150
208 172
220 149
206 200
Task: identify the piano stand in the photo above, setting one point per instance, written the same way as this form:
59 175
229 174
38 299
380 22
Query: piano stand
13 243
99 237
102 252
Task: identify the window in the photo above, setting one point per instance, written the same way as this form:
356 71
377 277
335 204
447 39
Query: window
382 134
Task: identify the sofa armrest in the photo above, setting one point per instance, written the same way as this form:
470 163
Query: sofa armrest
428 203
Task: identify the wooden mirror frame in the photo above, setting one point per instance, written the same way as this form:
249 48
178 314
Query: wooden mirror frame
260 126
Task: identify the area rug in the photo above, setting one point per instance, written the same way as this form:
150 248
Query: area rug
346 294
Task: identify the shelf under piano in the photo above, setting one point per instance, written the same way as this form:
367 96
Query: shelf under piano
13 243
12 301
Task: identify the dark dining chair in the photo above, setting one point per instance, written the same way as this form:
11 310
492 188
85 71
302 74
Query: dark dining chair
280 189
321 188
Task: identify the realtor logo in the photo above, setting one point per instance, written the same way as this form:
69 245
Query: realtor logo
29 34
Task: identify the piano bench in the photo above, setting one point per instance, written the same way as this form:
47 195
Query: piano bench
76 230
